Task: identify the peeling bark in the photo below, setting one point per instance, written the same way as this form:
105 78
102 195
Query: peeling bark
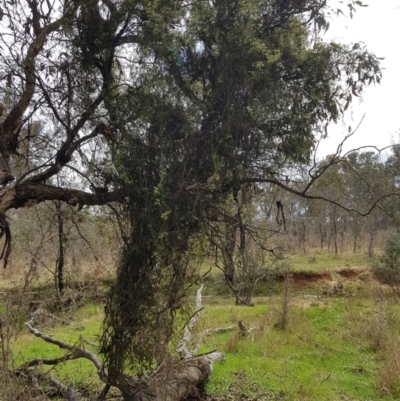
61 251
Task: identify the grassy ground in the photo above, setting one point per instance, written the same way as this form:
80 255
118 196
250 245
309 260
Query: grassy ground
318 261
315 261
334 348
319 356
322 261
85 326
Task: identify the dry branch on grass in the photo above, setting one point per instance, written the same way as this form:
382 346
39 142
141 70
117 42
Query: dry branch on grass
73 352
243 330
187 335
219 330
76 352
174 380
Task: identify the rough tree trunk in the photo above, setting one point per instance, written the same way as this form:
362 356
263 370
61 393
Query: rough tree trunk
228 252
5 171
334 226
355 235
61 250
303 237
322 236
371 244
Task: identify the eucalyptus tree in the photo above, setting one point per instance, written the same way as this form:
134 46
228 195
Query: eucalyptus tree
392 174
367 176
362 181
167 107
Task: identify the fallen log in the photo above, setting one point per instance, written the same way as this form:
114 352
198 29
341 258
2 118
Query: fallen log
174 381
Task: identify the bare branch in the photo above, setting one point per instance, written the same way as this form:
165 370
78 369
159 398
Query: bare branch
303 194
67 149
83 237
334 159
183 343
77 352
13 119
67 391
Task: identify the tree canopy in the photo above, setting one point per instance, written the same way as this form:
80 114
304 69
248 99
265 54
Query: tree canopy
167 107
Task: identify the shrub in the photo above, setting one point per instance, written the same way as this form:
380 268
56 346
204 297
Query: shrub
388 377
387 265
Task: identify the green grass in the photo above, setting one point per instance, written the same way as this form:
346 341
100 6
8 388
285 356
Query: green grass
327 261
333 349
80 373
318 357
316 262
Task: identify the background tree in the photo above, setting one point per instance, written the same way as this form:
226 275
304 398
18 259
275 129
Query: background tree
241 234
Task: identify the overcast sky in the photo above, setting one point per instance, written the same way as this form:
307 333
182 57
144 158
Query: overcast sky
377 25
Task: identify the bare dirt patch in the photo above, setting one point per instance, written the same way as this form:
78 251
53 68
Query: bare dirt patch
352 272
304 278
307 277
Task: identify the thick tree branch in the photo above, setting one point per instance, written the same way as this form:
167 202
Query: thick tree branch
170 381
27 195
183 346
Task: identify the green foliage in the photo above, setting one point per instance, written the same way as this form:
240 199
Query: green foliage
324 261
387 265
328 351
80 372
390 257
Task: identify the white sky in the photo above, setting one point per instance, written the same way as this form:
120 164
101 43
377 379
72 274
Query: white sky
378 26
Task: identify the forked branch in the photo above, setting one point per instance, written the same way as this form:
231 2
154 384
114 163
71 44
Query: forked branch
75 351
